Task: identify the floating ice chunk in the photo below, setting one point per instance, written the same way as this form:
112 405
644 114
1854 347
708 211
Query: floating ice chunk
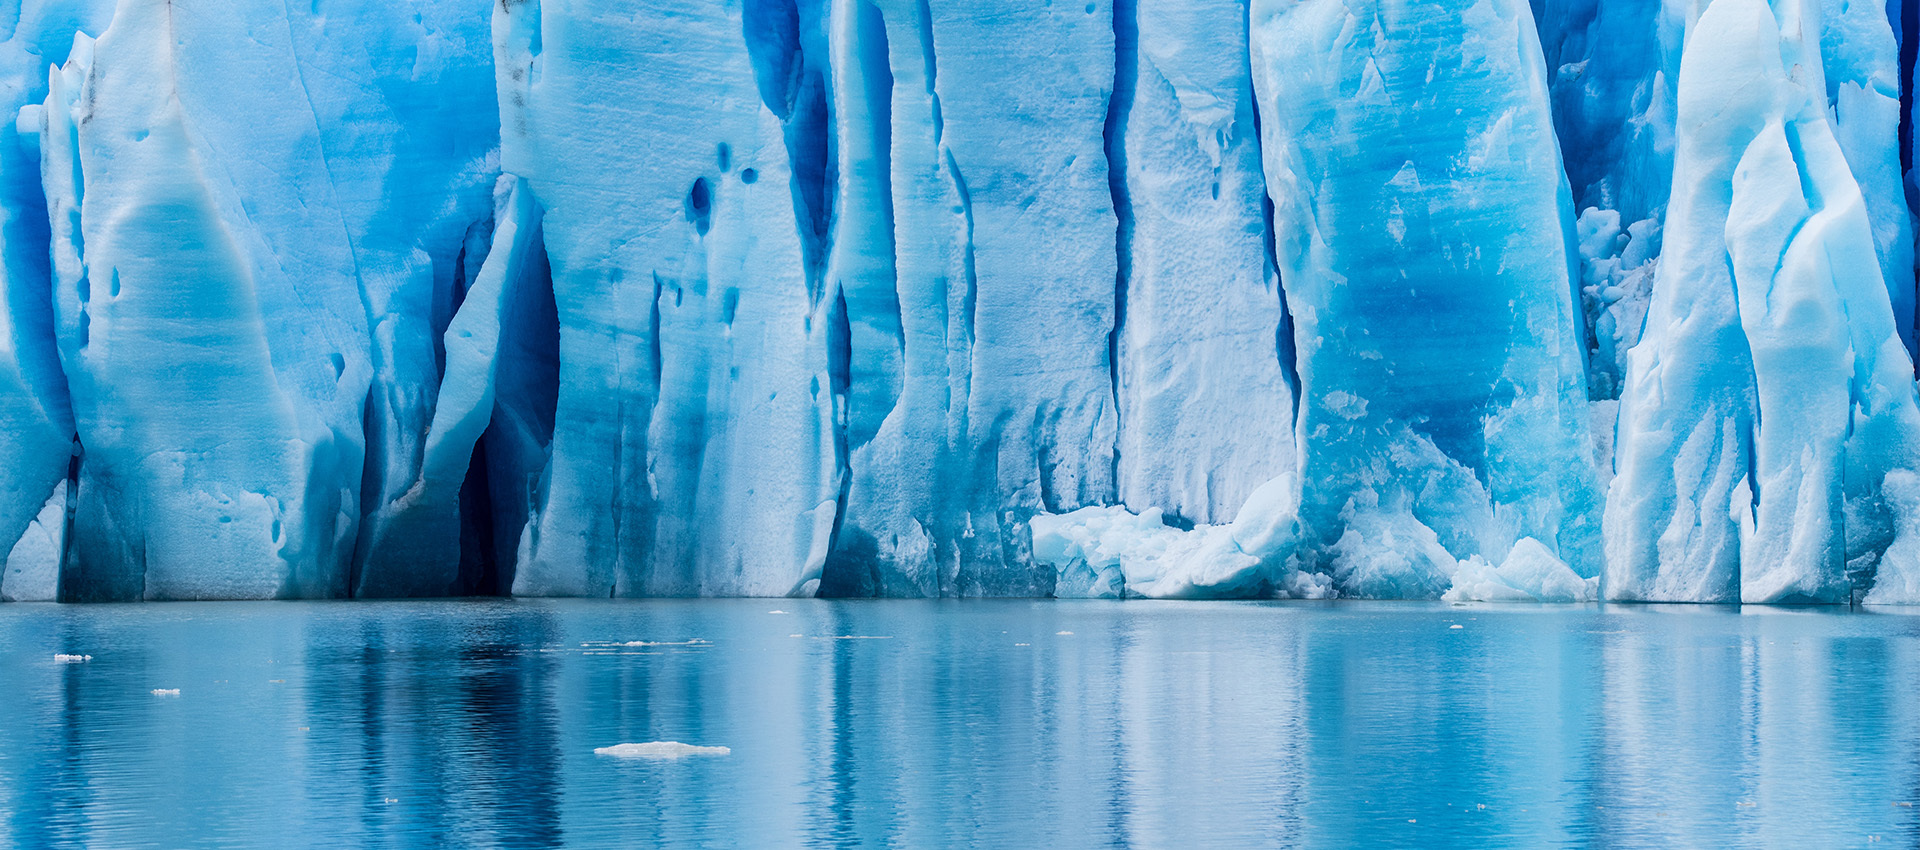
1531 573
1063 633
166 692
655 750
63 658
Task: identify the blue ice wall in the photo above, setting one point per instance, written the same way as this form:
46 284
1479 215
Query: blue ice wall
1421 219
1191 298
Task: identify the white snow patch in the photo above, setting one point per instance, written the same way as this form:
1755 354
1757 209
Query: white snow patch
659 750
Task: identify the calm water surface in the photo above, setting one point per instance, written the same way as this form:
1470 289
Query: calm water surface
930 724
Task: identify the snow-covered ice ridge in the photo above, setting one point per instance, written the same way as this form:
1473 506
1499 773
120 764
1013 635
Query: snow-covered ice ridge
1482 299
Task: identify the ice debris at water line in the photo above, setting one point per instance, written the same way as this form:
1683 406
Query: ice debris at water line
1480 300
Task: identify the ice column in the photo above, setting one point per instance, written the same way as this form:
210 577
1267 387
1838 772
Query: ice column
679 153
1772 394
982 390
1206 410
259 216
36 419
1422 225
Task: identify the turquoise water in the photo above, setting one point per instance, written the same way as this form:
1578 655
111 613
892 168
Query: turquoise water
931 724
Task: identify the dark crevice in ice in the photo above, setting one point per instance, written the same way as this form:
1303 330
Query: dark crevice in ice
372 474
1907 28
479 573
840 380
1906 25
65 564
526 401
932 64
1283 338
787 42
1126 44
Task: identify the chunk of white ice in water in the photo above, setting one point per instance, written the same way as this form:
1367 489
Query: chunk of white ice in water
166 692
657 750
1530 573
63 658
1113 552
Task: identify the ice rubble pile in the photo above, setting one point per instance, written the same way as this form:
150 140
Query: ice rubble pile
1482 299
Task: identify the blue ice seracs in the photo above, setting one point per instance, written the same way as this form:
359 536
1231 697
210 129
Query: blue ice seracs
1474 299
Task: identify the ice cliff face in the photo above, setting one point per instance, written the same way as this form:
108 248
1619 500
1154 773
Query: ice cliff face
1400 298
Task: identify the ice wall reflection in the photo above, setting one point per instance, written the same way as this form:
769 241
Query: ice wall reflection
921 724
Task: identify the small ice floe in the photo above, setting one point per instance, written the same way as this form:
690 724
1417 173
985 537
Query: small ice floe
642 644
1023 644
659 750
1456 626
1063 633
166 692
855 637
776 612
63 658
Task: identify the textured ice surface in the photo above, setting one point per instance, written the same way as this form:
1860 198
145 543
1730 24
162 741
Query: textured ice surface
1180 298
36 421
1422 227
257 229
693 448
1771 392
1004 264
1111 552
1202 346
1530 573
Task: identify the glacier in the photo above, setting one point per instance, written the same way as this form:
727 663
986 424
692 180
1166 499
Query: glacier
1478 300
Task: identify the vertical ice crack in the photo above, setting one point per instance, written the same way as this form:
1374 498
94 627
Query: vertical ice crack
1126 59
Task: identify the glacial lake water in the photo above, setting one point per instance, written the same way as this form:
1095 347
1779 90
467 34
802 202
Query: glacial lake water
921 724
